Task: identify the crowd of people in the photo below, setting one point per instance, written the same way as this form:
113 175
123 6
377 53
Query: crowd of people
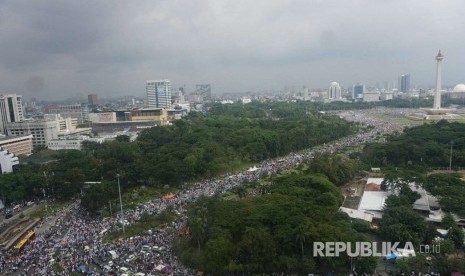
74 241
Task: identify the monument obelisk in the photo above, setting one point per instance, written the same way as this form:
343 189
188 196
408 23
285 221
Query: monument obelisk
437 93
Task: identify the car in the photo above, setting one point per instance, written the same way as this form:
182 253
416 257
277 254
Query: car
130 258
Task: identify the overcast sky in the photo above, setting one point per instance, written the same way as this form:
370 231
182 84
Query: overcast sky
59 49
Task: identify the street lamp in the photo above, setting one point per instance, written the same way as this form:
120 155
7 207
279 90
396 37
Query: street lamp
120 203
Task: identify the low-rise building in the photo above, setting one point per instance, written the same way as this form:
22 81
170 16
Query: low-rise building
41 131
371 96
77 111
7 161
74 143
385 96
18 145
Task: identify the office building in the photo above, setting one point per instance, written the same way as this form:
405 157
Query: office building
357 91
334 91
42 131
404 83
77 111
158 93
18 145
92 99
371 96
386 96
11 110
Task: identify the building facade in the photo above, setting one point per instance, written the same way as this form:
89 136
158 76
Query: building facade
334 91
41 131
7 161
158 93
18 145
357 91
404 83
74 143
11 110
77 111
92 99
371 96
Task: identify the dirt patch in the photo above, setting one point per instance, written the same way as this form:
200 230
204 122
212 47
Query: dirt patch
353 191
461 172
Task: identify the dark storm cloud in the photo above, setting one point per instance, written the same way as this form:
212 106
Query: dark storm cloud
54 48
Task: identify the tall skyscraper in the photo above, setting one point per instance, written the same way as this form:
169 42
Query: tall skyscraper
11 110
404 83
205 90
158 93
93 99
334 91
357 91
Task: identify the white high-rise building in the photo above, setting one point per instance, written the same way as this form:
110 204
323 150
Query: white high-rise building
334 91
11 110
158 93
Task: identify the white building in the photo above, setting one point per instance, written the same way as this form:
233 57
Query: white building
334 91
103 117
78 111
373 198
158 93
7 161
42 131
385 96
71 143
372 96
11 110
246 100
18 145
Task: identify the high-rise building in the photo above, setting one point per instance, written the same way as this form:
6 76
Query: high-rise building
334 91
404 83
158 93
11 110
93 99
357 91
205 90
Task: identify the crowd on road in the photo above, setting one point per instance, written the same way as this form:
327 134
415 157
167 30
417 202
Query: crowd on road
73 241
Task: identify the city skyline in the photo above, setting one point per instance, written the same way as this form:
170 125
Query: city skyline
53 50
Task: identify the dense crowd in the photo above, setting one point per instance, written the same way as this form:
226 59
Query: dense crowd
74 240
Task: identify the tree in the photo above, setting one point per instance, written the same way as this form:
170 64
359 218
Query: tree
456 235
301 234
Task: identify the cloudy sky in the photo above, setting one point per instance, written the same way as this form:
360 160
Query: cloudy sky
55 49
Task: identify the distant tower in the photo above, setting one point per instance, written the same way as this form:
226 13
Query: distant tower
358 90
334 91
92 99
11 110
158 93
404 83
437 94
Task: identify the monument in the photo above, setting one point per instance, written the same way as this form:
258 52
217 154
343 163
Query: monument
437 112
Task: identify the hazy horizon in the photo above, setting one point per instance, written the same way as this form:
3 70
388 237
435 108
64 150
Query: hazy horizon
56 50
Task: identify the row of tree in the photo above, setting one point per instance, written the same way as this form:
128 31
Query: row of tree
428 145
196 147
